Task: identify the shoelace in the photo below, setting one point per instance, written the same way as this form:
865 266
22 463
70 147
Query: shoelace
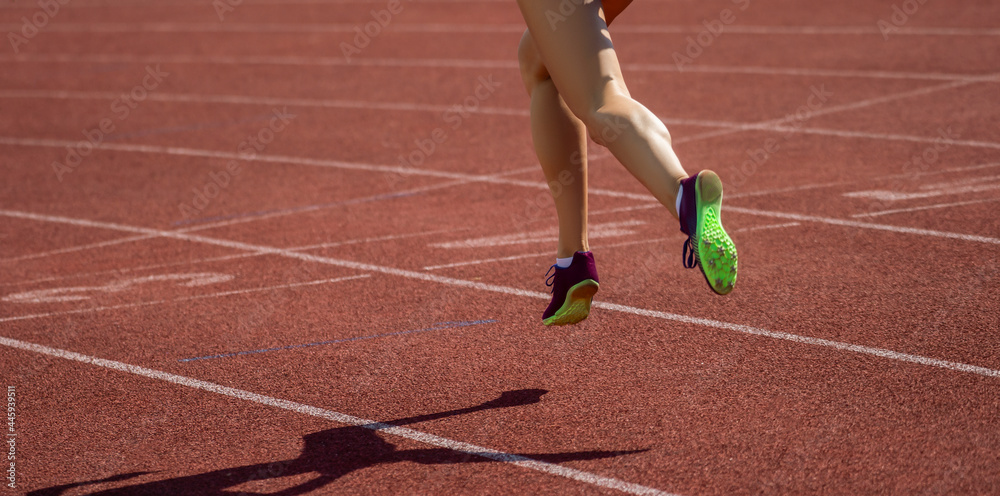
690 256
550 279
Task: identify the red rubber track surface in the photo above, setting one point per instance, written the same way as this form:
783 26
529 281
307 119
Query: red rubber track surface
348 271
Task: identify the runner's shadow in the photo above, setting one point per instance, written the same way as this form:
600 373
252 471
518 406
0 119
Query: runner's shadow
333 453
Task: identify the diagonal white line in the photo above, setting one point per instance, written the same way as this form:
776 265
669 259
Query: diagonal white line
865 225
833 109
423 437
925 207
494 288
178 300
479 178
471 64
286 28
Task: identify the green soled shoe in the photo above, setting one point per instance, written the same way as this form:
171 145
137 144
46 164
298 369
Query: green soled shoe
708 246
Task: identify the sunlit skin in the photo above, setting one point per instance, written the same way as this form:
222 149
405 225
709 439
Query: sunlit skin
571 71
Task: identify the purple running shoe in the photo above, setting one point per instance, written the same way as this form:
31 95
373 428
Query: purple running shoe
573 289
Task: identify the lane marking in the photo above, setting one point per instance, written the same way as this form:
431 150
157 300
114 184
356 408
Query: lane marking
925 207
435 327
242 218
891 196
112 58
312 28
179 300
488 260
535 255
474 178
262 100
726 127
915 174
776 124
331 244
103 4
494 288
79 293
600 230
403 432
992 145
756 331
769 226
71 249
866 225
791 189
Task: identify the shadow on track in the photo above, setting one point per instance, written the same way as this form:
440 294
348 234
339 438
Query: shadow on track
333 453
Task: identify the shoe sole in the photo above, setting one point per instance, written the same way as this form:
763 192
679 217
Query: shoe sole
716 251
577 304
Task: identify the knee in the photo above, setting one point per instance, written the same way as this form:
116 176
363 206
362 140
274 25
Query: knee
530 61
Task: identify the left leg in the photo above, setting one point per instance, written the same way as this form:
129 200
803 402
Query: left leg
560 141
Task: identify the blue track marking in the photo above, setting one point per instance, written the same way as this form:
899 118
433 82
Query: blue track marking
435 327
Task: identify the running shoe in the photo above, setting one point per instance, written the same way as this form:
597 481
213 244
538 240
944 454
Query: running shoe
573 289
708 246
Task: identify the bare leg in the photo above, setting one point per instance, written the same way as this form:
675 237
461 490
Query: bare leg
560 140
578 55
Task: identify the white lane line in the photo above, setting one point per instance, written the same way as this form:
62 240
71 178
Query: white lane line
726 127
115 58
756 331
866 225
925 207
916 174
71 249
494 288
457 175
407 433
331 244
652 204
808 30
261 100
252 218
992 145
312 28
127 270
535 255
891 196
769 226
103 4
833 109
601 230
649 206
122 306
488 260
792 189
107 58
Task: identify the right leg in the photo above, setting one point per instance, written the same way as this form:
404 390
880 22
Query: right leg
579 57
581 60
